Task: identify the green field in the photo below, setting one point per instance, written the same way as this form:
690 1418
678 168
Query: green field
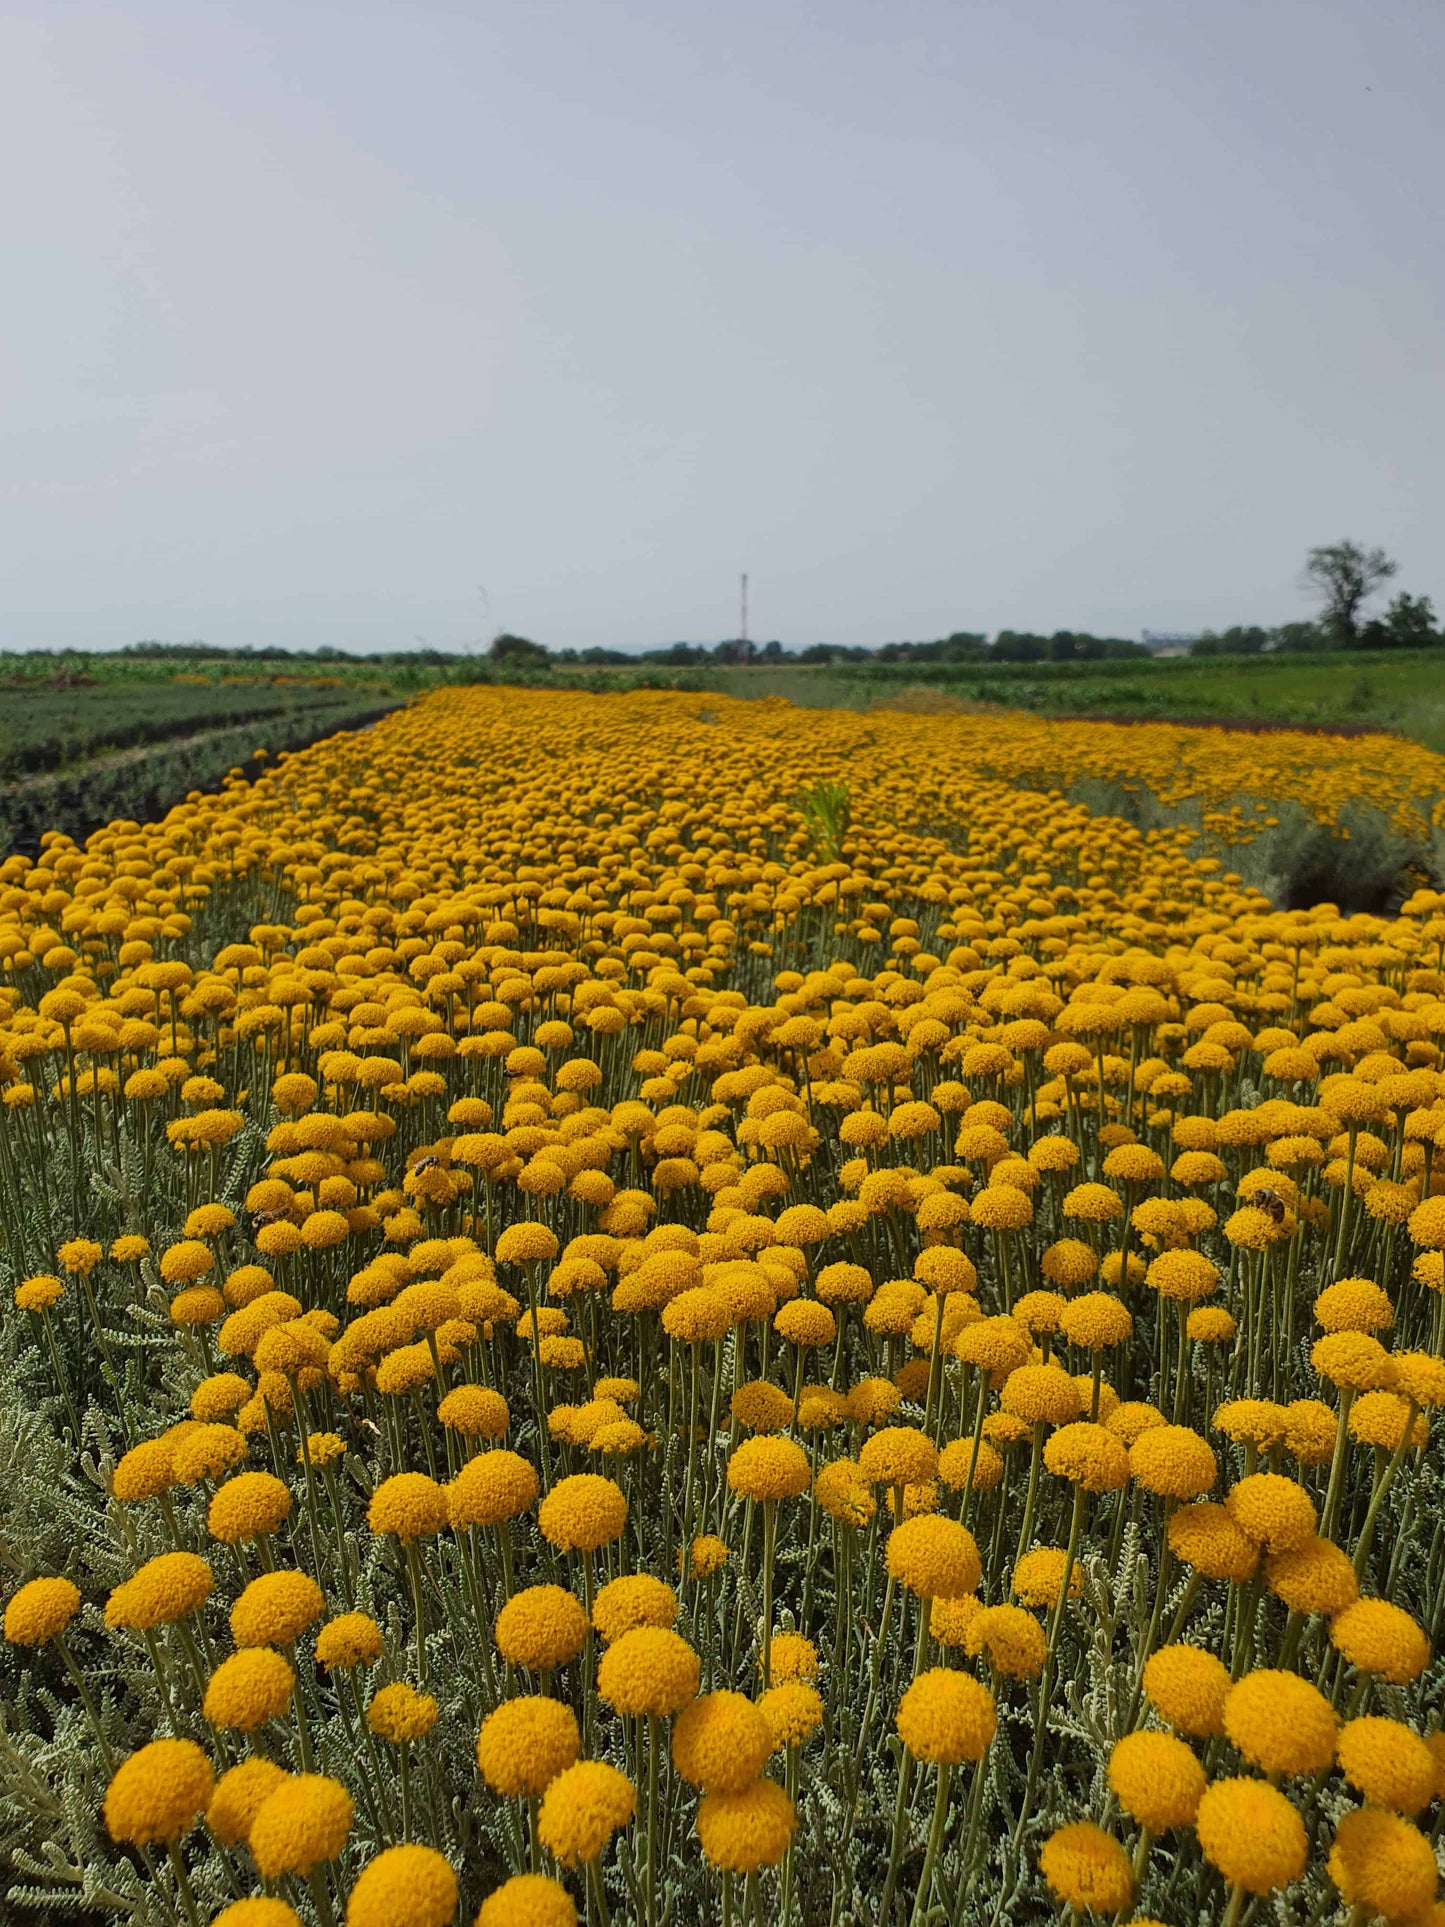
1403 692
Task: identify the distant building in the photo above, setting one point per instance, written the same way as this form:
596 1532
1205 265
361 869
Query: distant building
1168 642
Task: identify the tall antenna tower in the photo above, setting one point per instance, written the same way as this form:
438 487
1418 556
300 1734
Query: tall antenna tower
743 621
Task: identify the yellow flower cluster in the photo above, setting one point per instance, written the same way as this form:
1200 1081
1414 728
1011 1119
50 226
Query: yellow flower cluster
586 1305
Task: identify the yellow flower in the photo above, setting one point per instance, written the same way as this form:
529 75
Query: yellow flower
934 1557
1012 1639
792 1657
145 1472
1040 1573
276 1609
1388 1764
405 1886
249 1688
636 1599
1173 1461
946 1717
525 1743
1280 1723
165 1589
793 1710
1086 1868
1158 1780
1088 1456
408 1505
400 1714
1354 1304
528 1900
1252 1834
247 1507
720 1742
260 1912
582 1513
301 1823
1275 1512
475 1411
1188 1687
1206 1537
898 1455
541 1627
583 1807
39 1610
1383 1865
238 1796
708 1554
491 1487
1316 1577
159 1793
38 1293
768 1469
1096 1321
1381 1638
1041 1395
648 1670
525 1244
351 1639
743 1831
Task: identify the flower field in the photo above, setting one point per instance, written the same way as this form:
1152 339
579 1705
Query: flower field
649 1309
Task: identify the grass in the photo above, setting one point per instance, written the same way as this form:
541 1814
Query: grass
1403 692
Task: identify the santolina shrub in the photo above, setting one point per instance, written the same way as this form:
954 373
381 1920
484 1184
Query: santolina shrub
571 1353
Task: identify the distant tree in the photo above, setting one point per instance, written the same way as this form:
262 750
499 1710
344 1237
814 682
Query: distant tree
1345 575
1410 621
516 652
1012 645
1301 638
1246 640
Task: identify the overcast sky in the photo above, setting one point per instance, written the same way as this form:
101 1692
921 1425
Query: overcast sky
366 323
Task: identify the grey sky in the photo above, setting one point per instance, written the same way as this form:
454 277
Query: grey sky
1022 313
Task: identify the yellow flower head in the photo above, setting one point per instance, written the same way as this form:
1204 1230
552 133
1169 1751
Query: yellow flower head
39 1610
1280 1723
405 1886
276 1609
525 1743
1157 1779
1251 1833
648 1670
159 1793
351 1639
249 1688
541 1627
582 1513
528 1900
1383 1865
167 1588
743 1831
583 1807
636 1599
400 1714
720 1742
238 1796
300 1824
1087 1868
